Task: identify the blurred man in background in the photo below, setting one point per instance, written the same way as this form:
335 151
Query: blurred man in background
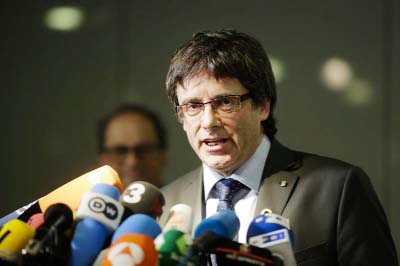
133 141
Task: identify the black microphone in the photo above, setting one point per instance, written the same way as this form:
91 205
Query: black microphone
144 198
49 245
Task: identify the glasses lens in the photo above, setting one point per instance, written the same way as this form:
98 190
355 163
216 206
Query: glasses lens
227 103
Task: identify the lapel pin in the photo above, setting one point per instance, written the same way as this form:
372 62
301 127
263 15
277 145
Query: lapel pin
284 183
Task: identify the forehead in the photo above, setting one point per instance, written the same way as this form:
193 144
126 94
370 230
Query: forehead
205 86
130 129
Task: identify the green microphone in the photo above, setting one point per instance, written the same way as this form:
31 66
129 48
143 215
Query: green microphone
175 240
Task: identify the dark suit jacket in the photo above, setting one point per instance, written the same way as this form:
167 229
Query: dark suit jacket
334 211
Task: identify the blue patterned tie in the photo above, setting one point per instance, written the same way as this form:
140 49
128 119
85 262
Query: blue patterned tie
229 192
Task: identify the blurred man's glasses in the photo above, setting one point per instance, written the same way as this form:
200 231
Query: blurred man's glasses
139 150
223 104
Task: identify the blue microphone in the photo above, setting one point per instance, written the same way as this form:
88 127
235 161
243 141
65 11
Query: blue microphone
273 232
224 223
138 224
99 213
133 242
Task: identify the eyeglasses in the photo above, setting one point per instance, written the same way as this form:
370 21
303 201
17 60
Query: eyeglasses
226 104
139 150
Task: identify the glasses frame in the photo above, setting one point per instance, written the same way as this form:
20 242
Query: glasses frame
179 109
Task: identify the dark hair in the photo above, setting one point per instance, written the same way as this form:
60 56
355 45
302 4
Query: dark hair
226 54
136 109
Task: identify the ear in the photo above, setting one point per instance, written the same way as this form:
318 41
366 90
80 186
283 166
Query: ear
265 108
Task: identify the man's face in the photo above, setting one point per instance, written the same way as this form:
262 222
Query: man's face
131 146
223 141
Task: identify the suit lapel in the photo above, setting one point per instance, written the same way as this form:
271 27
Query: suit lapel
278 180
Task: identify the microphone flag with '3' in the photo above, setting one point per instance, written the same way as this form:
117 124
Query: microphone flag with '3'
98 215
142 197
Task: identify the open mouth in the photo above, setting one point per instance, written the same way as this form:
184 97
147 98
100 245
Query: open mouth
212 143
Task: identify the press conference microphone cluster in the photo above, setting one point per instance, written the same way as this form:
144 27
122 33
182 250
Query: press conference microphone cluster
45 232
91 220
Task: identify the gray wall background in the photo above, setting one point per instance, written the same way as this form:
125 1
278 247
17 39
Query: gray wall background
55 85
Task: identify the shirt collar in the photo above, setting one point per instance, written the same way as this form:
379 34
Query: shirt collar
248 174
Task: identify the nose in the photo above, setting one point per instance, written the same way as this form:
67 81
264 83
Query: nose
209 118
131 158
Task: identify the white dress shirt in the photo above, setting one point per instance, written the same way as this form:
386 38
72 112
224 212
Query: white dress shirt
248 174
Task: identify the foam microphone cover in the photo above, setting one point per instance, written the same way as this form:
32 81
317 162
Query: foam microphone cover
14 236
36 220
138 224
224 223
72 192
273 232
132 249
143 197
99 214
49 245
180 218
172 245
69 193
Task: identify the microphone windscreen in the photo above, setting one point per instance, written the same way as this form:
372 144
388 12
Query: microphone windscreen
36 220
132 249
100 257
172 246
224 223
101 204
266 223
273 232
143 197
14 236
72 192
98 215
138 224
60 214
180 217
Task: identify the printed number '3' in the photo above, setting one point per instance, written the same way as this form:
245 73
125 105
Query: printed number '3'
134 193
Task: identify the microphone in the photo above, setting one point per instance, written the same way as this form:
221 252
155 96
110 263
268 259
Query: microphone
180 217
133 242
36 220
49 245
273 231
132 249
99 214
137 224
173 244
69 193
223 224
14 235
142 197
100 257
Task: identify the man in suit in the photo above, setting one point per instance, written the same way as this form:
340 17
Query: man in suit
222 86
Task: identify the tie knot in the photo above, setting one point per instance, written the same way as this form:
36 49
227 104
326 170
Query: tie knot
229 192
